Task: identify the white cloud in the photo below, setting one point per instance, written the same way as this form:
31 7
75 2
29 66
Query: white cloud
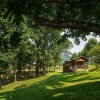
78 48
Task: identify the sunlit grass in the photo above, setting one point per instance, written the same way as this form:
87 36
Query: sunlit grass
26 82
81 85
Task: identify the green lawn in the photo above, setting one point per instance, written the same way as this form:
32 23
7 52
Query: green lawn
56 86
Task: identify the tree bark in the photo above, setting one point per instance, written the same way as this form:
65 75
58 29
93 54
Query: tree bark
37 69
0 82
71 25
55 61
64 1
44 72
15 76
55 67
97 66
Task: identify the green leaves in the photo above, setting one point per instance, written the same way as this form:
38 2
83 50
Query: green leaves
95 54
89 45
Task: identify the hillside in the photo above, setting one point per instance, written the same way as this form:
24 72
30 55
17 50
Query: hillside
56 86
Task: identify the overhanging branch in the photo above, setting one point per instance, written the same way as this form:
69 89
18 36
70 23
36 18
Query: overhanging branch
67 1
61 1
71 25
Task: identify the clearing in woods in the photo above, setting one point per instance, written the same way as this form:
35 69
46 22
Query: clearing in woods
80 85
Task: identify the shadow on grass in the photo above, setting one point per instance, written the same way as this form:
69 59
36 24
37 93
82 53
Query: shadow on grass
95 69
52 89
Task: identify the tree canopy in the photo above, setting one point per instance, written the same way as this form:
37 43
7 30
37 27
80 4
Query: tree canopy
72 14
91 43
24 44
95 55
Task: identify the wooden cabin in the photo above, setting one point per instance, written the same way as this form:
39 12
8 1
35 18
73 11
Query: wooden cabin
79 63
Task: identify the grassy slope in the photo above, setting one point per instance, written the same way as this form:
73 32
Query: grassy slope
56 86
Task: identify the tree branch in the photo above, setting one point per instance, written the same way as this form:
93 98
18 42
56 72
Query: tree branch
71 25
66 1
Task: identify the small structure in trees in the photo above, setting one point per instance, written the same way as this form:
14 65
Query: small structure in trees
79 63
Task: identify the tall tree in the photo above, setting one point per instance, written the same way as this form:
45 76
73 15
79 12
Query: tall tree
95 55
89 45
48 45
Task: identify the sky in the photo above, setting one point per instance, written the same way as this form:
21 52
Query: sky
78 48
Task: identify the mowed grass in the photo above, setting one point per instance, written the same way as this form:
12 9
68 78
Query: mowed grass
80 85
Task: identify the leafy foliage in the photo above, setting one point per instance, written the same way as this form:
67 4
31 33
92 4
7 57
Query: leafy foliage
89 45
95 55
79 16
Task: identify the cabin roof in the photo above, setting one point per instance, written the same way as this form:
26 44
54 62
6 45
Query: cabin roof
80 59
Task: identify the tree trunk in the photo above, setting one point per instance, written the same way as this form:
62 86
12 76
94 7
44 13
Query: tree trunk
44 71
97 66
37 69
24 74
55 66
20 69
49 69
15 76
0 82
